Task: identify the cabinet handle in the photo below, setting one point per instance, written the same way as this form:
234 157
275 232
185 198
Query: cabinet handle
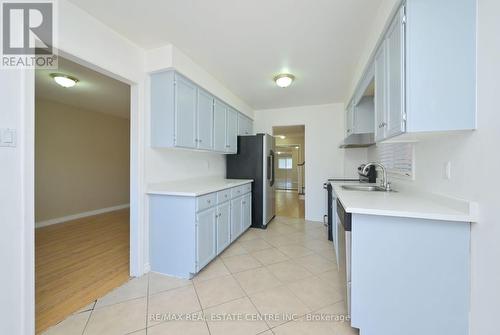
200 141
244 202
209 201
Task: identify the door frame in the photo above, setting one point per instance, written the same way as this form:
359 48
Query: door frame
137 262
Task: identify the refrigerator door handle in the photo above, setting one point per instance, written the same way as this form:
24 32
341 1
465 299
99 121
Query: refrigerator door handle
271 168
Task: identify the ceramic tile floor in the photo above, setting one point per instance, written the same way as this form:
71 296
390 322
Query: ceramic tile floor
282 280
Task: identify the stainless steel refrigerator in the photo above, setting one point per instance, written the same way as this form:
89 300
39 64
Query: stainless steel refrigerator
255 160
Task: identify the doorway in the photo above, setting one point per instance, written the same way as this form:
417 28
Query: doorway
82 183
290 170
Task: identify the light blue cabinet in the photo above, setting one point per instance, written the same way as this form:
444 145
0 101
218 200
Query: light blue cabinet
206 248
395 53
380 97
185 113
425 76
223 226
187 232
246 209
245 125
219 126
187 116
205 119
231 131
236 218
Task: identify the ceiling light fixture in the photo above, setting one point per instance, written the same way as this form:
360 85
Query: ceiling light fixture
282 136
64 80
284 80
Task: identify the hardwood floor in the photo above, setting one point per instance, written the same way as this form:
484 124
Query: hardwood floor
77 262
288 204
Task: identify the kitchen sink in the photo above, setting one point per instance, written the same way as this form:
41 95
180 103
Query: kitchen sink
367 188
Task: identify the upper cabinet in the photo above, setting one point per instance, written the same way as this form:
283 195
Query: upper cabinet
245 125
186 116
424 70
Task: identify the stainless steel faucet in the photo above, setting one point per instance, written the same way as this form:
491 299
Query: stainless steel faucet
384 183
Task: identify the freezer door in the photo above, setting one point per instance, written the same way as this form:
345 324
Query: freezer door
268 180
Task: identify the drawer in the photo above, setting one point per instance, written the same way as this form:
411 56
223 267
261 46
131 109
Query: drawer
237 191
206 201
247 188
223 196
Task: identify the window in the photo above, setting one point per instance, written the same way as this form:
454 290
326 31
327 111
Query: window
285 163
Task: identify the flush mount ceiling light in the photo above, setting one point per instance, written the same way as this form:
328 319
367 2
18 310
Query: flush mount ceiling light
64 80
281 136
284 80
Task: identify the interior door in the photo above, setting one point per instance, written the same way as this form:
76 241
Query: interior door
380 93
205 119
206 248
185 113
231 130
223 226
395 73
219 126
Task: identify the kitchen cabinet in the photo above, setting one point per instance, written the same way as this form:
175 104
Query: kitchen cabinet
206 228
350 119
231 131
425 78
236 218
204 120
223 226
185 115
395 115
245 126
380 93
219 126
246 208
187 232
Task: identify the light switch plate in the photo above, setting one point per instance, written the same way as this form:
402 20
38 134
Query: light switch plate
8 137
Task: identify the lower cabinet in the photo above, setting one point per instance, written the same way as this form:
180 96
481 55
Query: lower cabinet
236 218
223 226
246 208
186 233
206 229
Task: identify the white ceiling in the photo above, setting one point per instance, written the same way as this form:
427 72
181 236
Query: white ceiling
94 91
245 43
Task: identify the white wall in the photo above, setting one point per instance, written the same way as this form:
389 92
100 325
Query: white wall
87 41
324 130
474 158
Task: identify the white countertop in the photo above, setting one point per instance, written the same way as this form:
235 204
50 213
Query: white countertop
406 203
194 187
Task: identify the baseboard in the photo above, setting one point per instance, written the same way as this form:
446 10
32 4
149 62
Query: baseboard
79 215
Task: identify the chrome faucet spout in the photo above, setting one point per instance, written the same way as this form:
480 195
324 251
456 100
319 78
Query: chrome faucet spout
384 182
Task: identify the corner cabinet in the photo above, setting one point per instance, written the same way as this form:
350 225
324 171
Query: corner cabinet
188 232
184 115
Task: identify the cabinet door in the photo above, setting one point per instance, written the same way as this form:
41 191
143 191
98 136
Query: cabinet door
206 248
395 77
185 113
349 121
205 120
380 93
246 205
223 226
236 218
244 125
219 126
231 130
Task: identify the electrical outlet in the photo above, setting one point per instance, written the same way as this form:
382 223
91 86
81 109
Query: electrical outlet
447 170
8 137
